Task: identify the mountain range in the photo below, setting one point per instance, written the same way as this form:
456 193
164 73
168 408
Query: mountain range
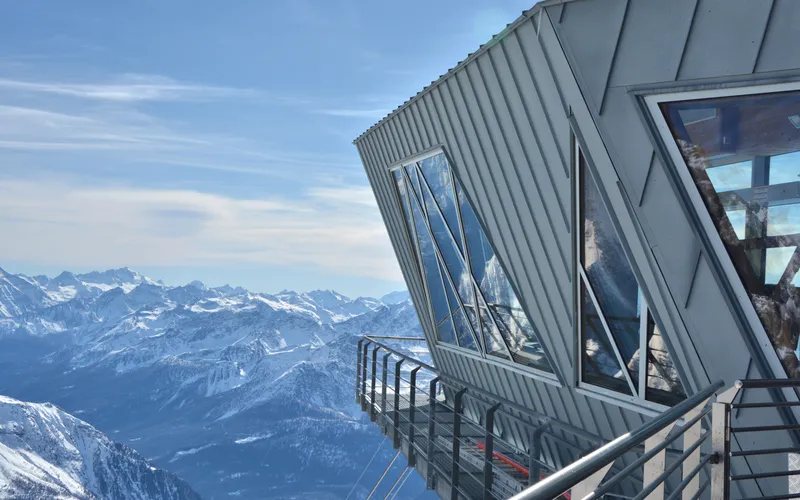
47 453
243 395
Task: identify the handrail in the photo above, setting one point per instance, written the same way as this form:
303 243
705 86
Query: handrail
566 478
775 383
390 337
452 381
400 354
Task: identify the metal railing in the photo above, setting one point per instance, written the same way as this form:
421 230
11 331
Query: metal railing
684 453
725 431
585 478
461 436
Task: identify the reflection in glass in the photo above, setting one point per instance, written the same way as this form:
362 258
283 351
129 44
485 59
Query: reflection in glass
599 363
465 338
755 131
453 259
443 219
614 336
433 279
437 174
609 274
663 383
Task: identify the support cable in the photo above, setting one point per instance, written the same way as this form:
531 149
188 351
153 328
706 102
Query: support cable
380 479
395 483
403 482
365 468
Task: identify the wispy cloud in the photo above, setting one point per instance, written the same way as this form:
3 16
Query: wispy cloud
98 227
354 113
111 132
352 195
131 88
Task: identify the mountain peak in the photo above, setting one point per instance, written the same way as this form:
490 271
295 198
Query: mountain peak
198 284
396 297
73 459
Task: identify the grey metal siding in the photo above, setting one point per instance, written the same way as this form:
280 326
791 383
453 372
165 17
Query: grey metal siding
663 44
782 27
725 38
506 117
502 121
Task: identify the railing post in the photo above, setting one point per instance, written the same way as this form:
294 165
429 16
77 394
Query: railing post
364 376
721 447
455 472
384 377
372 401
431 431
488 454
535 453
396 434
412 459
358 370
721 443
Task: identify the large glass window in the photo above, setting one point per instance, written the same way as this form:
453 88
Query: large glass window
745 162
616 325
471 297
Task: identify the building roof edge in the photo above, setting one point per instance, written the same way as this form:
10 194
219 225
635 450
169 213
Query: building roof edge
526 15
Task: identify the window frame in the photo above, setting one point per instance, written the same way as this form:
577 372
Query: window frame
637 400
651 103
555 378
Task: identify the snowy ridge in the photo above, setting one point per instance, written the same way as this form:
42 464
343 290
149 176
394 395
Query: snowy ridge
47 453
230 389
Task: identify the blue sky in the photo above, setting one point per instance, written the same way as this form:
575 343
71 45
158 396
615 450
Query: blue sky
200 139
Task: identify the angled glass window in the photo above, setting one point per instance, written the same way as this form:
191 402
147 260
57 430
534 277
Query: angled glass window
745 163
616 324
475 294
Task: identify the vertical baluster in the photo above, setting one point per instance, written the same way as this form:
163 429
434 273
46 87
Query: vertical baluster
431 431
455 472
721 443
535 453
372 401
488 454
721 446
364 376
384 377
412 460
396 434
358 370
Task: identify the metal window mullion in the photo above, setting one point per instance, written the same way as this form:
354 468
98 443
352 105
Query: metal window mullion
449 317
476 289
440 261
623 366
417 247
478 317
424 182
644 312
460 220
465 251
491 316
450 311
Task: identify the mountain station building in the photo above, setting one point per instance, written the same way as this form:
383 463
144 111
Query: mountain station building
603 181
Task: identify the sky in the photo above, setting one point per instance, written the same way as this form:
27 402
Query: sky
211 140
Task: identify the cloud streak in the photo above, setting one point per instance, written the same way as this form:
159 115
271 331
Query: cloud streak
109 133
132 88
354 113
64 224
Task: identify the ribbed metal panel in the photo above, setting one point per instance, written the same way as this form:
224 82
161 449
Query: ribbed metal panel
667 45
506 117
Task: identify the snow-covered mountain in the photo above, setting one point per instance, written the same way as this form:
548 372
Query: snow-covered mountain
239 393
47 453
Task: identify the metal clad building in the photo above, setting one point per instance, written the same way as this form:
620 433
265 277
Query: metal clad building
587 109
